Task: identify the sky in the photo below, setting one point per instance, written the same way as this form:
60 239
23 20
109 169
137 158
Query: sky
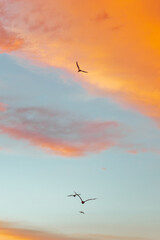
96 133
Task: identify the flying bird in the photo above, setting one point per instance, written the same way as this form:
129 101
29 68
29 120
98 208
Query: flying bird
79 70
73 195
82 212
86 199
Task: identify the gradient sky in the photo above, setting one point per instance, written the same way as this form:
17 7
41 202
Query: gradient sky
63 131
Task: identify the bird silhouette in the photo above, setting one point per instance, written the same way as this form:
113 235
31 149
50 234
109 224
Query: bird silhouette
82 212
73 195
80 70
86 199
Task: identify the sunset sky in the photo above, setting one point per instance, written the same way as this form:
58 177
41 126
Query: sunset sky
97 133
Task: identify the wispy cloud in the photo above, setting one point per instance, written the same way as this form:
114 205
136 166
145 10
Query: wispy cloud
10 231
115 28
3 107
59 132
102 16
62 133
9 41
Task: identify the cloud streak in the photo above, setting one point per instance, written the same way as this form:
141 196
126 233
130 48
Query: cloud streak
59 132
10 232
101 16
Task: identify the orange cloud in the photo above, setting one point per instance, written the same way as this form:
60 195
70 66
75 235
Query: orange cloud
9 41
59 132
123 65
10 232
101 16
7 232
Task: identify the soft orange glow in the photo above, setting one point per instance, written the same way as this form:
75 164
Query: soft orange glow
23 234
118 42
9 233
9 41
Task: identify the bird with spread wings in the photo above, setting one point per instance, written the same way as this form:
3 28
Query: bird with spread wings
80 70
73 195
83 201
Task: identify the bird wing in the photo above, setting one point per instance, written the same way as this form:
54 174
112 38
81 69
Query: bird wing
79 196
90 199
70 195
81 212
84 71
77 193
77 66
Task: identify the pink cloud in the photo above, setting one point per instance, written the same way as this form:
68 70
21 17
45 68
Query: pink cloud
9 41
3 107
58 132
133 151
